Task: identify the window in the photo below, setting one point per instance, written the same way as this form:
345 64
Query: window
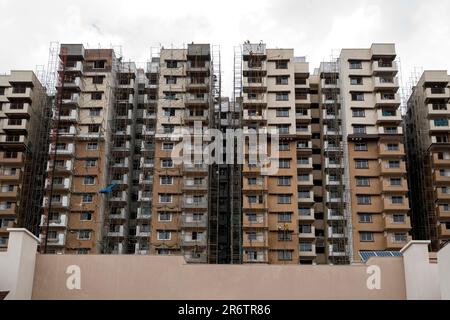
283 112
85 216
97 80
10 154
170 96
303 160
282 80
365 217
252 236
52 235
305 228
284 181
2 91
284 217
87 198
165 216
356 81
394 164
396 181
355 64
284 199
84 235
358 113
164 235
167 146
306 247
169 112
398 218
284 236
282 96
252 181
284 255
362 181
83 251
303 177
360 146
284 163
252 255
92 146
304 194
366 236
252 217
364 200
166 180
359 129
14 122
89 180
99 64
172 64
90 163
94 112
171 80
441 122
166 163
390 130
283 146
362 164
96 96
357 96
392 147
165 198
281 64
397 199
400 237
255 199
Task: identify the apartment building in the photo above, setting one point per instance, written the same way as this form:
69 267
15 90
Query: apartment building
24 124
428 149
180 190
374 152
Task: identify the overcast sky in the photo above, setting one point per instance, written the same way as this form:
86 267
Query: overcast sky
314 29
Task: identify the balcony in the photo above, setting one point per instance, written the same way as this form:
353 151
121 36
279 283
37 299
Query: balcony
307 235
192 185
382 100
61 222
143 214
201 168
332 182
25 94
442 213
388 187
118 214
334 216
261 257
439 124
311 252
145 196
327 130
63 203
190 221
122 148
255 84
261 241
331 198
7 175
117 232
303 116
193 100
74 99
67 168
147 147
194 85
72 116
142 232
335 234
16 110
333 147
385 169
333 165
196 116
305 198
121 163
76 67
396 244
68 132
193 204
384 67
16 141
127 84
331 100
330 116
15 125
328 85
304 132
333 251
17 161
123 132
383 83
390 224
437 93
305 182
389 206
436 109
119 197
303 98
259 99
306 217
252 67
64 186
305 165
149 115
259 223
195 257
441 195
125 116
74 84
261 116
68 151
386 150
10 210
187 241
121 182
389 117
59 241
6 193
384 131
304 146
126 99
444 232
197 67
441 177
145 179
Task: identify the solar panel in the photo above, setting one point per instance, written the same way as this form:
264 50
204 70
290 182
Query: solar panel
365 255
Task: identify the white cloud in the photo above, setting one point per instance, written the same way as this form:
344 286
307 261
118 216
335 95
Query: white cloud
313 28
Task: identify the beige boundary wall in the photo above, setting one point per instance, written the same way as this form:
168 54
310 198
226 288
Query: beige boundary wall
27 275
